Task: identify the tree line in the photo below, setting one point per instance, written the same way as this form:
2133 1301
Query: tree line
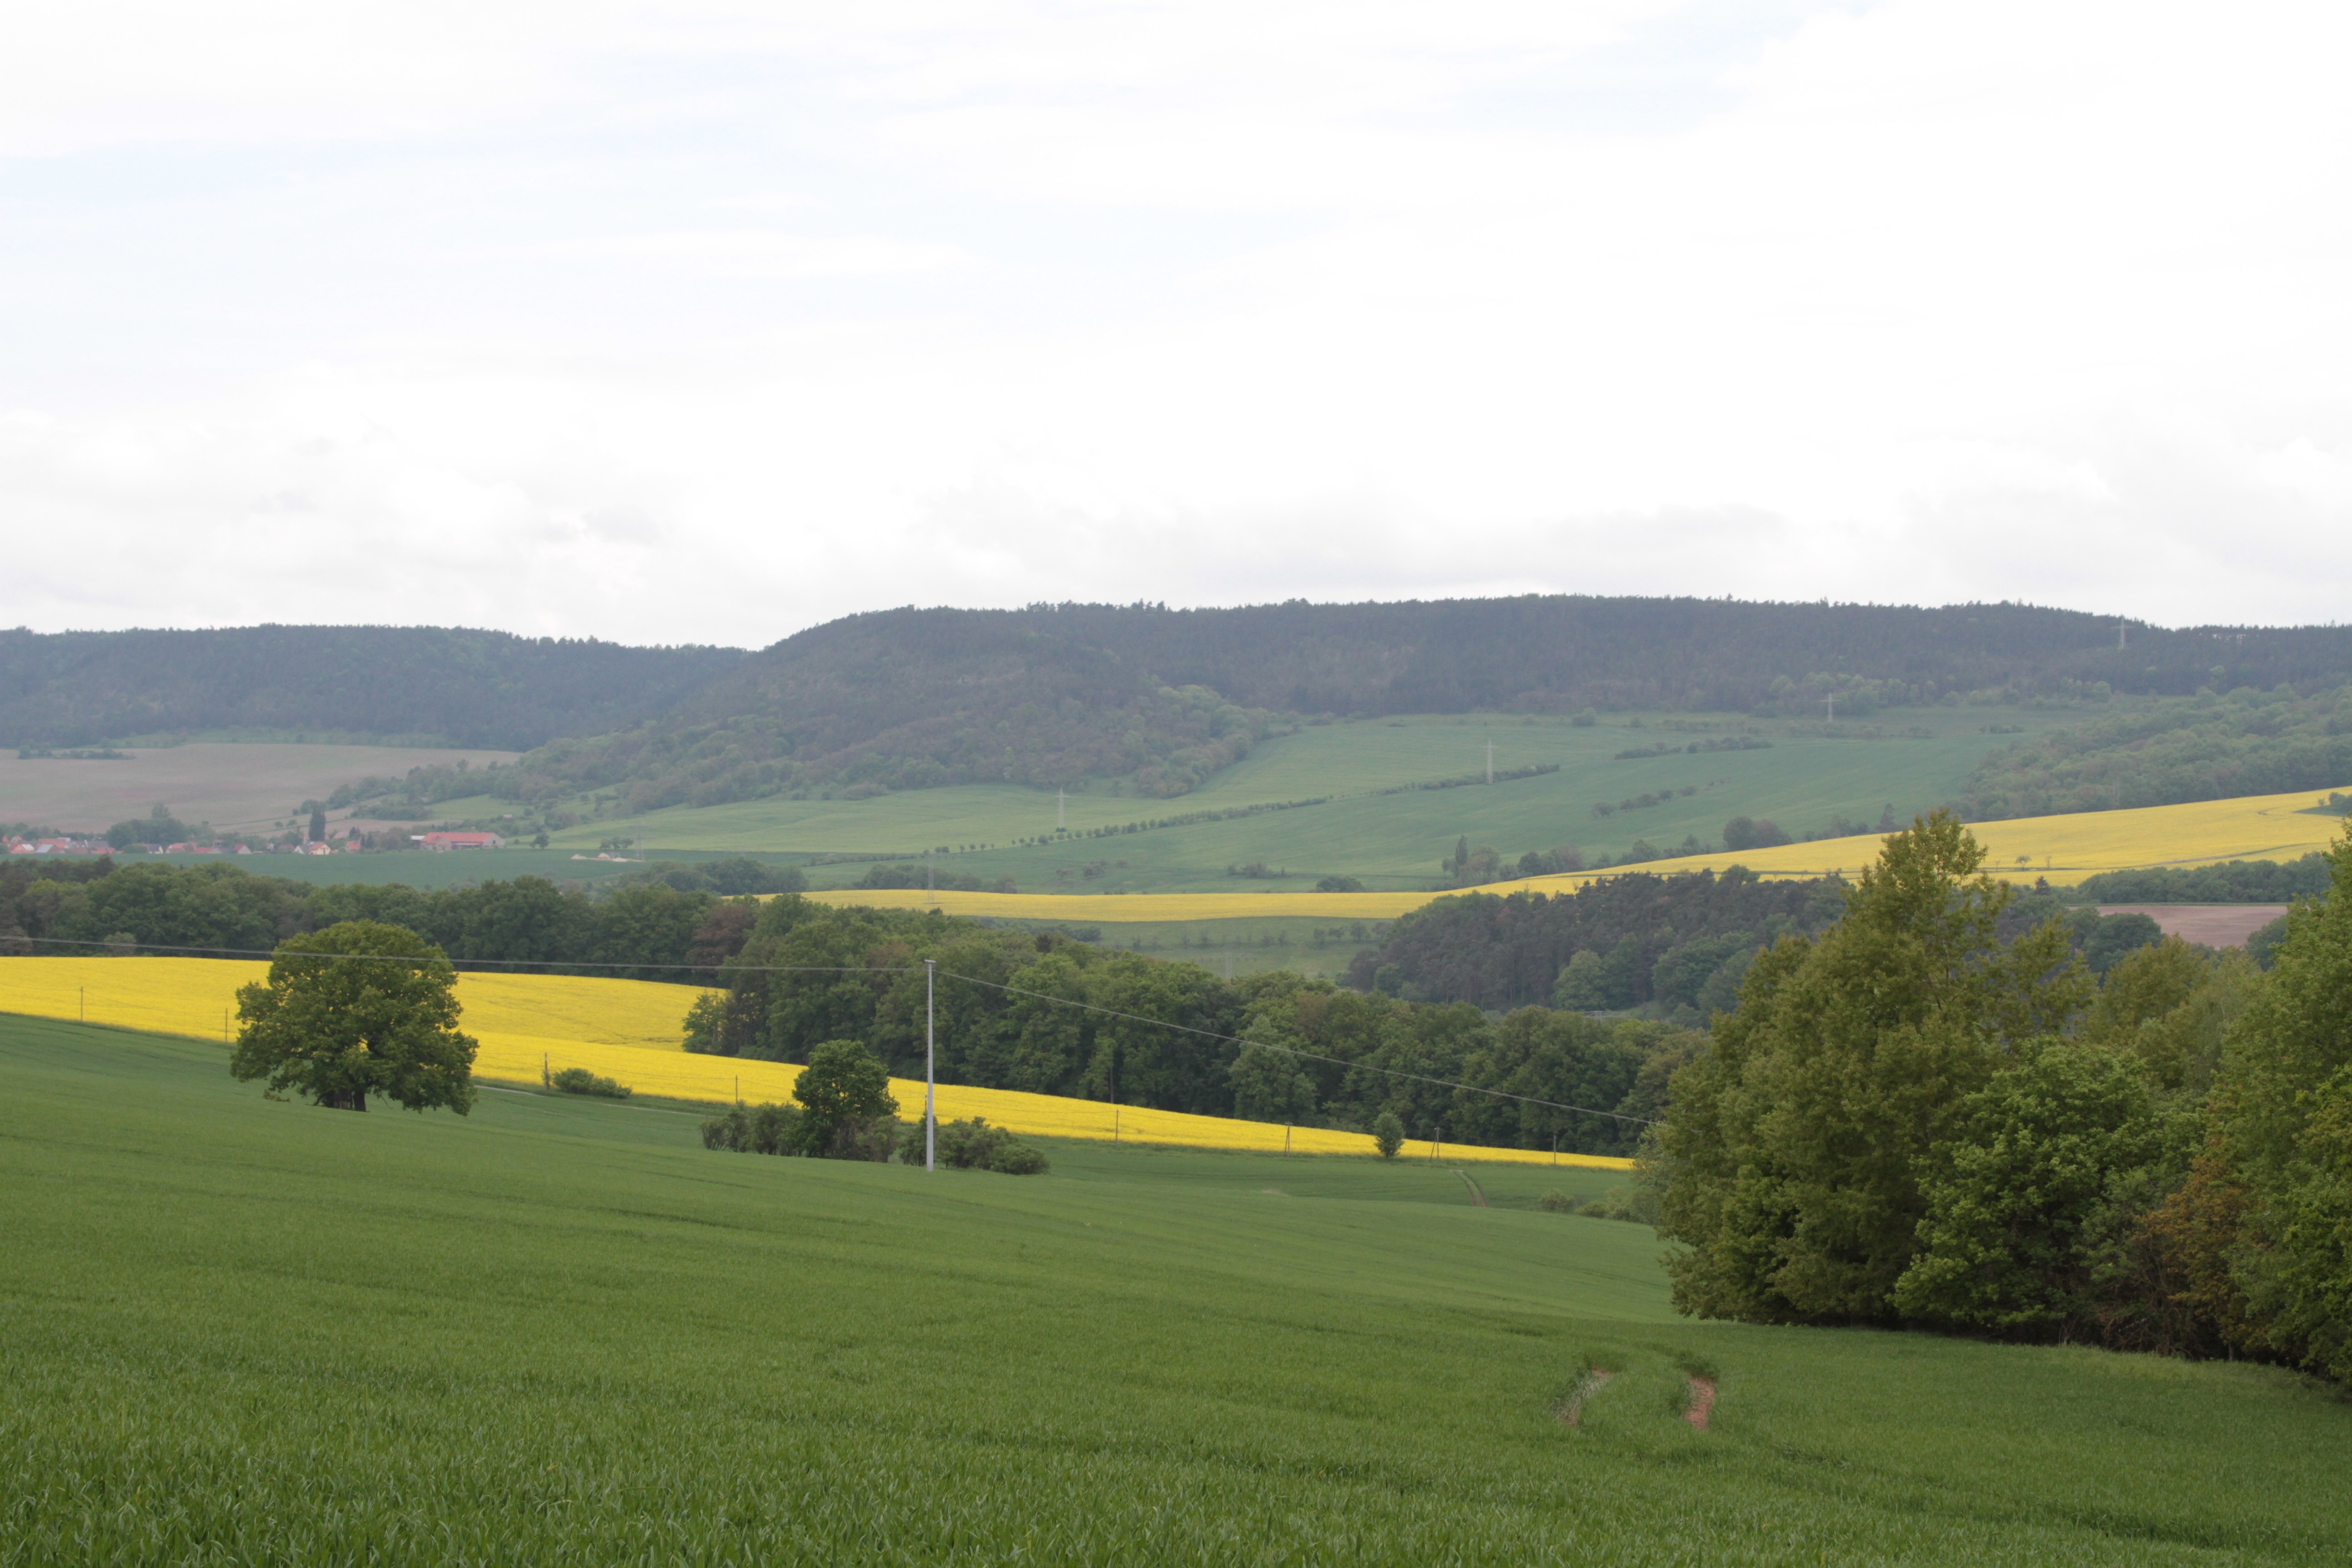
426 685
1908 1119
643 928
1273 1046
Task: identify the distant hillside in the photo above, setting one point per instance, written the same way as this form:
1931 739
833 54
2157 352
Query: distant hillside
466 688
909 698
1052 694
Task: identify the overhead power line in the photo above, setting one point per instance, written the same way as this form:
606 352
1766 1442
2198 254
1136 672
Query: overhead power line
1294 1051
899 969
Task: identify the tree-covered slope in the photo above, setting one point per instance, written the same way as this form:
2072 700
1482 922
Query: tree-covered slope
1051 694
466 688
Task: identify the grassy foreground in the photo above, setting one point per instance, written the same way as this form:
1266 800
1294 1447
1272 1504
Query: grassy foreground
236 1330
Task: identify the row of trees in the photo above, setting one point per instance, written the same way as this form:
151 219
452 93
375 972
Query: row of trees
1043 1014
652 924
1908 1119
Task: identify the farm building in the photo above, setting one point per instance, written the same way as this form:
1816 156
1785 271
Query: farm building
459 840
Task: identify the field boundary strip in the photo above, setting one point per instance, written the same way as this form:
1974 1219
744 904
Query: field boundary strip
190 997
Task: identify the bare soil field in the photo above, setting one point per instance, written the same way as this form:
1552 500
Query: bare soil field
2215 925
227 784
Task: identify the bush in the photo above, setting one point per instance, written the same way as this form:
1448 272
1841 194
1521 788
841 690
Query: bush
974 1145
1388 1134
1339 885
579 1081
1556 1202
768 1129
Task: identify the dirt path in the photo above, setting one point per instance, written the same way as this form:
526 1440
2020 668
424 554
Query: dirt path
2215 925
1702 1401
1571 1409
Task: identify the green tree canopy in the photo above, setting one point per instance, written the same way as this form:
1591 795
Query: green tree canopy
355 1009
2285 1105
1795 1146
844 1087
1269 1087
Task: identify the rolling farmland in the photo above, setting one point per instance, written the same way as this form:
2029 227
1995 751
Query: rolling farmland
228 784
2063 849
631 1030
1392 840
559 1330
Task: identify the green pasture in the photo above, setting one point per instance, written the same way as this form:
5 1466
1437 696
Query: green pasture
234 1330
1388 841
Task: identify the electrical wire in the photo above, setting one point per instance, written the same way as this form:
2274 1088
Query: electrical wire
1293 1050
904 969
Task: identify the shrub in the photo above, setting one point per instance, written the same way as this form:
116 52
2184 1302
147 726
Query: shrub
768 1129
1339 885
579 1081
1388 1134
1556 1202
974 1145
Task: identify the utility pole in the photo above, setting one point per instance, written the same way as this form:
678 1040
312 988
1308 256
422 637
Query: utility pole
1833 700
929 885
930 1069
1061 809
1490 762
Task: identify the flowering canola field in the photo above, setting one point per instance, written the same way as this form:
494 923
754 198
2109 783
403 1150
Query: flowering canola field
631 1030
2064 850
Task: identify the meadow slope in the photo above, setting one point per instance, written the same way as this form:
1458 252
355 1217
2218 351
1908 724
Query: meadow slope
561 1332
1378 821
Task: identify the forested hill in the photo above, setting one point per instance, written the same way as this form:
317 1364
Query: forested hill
1051 694
466 688
905 699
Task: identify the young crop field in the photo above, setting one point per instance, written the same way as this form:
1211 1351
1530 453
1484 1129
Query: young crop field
2063 851
1373 823
561 1332
528 1026
243 785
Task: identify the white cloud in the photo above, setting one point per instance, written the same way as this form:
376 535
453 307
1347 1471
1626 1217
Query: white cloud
668 324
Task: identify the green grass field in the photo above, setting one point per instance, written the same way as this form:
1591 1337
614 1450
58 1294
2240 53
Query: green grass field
558 1332
1389 841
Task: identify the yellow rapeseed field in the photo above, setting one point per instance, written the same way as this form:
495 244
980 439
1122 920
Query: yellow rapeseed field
630 1030
2065 850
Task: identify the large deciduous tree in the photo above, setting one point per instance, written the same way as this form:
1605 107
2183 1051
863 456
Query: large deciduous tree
847 1104
359 1008
1795 1148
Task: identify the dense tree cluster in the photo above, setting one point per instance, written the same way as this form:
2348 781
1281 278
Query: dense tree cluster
990 709
1908 1119
1616 943
2248 743
2237 882
420 683
1315 1053
219 906
1675 946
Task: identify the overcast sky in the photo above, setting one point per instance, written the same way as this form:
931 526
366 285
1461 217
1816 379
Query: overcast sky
706 324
